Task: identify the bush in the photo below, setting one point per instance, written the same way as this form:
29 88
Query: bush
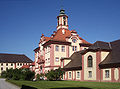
40 77
18 74
4 74
55 74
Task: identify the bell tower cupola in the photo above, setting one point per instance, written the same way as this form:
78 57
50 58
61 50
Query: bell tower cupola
62 20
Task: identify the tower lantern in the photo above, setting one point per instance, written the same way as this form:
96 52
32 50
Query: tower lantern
62 20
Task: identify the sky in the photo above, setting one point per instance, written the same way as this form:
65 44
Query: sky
23 21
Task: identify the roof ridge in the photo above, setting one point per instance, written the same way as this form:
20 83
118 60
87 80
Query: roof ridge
110 45
10 54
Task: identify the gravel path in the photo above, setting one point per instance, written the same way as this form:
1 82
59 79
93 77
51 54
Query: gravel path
6 85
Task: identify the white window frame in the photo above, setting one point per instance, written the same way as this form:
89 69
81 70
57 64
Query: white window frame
90 74
70 75
56 48
107 74
63 48
78 74
57 59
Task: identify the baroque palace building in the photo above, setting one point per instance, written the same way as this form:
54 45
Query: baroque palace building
79 59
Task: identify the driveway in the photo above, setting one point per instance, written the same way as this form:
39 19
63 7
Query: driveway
6 85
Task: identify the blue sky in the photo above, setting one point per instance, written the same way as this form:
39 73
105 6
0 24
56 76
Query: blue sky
23 21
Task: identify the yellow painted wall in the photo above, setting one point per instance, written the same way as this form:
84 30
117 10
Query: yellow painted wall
47 55
116 74
103 55
59 54
74 44
9 66
86 68
104 78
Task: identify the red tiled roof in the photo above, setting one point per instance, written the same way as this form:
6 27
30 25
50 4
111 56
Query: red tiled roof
59 36
47 39
33 64
25 66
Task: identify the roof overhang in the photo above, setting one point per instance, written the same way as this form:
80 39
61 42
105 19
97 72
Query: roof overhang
109 65
56 42
72 68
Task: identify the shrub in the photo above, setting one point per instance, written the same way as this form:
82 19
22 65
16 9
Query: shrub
18 74
40 77
4 74
55 74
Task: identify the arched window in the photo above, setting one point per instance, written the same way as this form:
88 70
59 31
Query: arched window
90 63
64 23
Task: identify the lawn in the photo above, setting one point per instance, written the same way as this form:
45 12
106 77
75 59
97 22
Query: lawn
67 84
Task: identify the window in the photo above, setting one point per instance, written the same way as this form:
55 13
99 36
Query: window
11 64
6 64
20 64
89 61
64 23
1 68
6 68
78 74
90 74
48 60
64 17
107 74
69 74
74 48
1 64
74 40
57 48
57 59
63 49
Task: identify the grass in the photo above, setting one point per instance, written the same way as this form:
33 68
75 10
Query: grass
67 84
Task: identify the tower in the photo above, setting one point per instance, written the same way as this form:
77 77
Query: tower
62 20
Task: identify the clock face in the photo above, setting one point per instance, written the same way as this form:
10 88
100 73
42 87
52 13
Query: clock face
74 40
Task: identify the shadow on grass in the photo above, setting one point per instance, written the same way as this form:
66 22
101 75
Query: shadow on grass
72 88
27 87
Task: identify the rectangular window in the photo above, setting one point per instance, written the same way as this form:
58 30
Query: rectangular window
74 48
6 64
57 59
48 60
78 74
11 64
1 64
69 74
20 64
1 68
57 48
6 68
107 75
63 49
90 74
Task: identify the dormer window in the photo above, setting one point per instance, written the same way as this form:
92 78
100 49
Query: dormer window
74 40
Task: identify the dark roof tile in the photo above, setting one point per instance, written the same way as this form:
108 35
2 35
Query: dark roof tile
13 58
